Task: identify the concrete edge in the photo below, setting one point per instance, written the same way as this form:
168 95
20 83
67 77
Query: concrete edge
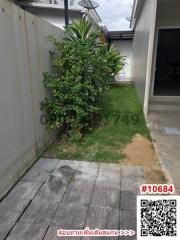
121 82
164 169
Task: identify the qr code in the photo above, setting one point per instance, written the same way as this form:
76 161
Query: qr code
158 217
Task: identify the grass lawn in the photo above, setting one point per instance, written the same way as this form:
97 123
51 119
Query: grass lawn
122 118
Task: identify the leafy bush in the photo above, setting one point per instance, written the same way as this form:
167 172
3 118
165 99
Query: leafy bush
82 69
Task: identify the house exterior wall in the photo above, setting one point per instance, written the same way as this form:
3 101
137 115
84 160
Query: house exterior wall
73 4
167 16
125 48
143 49
54 16
24 56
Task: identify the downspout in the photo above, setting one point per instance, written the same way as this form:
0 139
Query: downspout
66 13
150 57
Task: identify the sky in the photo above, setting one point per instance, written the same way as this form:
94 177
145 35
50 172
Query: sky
114 12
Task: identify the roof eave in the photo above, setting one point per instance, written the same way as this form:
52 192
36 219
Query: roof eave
121 35
136 11
45 5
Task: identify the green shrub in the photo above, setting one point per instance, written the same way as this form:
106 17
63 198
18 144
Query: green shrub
82 69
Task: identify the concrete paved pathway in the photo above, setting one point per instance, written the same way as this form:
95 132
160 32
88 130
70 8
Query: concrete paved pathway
165 128
58 194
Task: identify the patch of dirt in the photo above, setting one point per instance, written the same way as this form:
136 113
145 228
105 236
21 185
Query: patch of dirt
140 152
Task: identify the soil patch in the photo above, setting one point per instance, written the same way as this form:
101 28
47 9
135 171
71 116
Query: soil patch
140 152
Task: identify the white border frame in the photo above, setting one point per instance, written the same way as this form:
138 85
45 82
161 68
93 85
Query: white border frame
156 198
163 98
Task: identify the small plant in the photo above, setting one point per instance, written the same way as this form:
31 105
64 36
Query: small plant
82 69
81 30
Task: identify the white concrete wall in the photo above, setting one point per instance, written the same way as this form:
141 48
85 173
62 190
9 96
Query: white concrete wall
125 48
53 16
24 55
143 49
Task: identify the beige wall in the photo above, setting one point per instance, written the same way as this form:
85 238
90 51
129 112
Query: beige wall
142 49
168 13
125 48
23 57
